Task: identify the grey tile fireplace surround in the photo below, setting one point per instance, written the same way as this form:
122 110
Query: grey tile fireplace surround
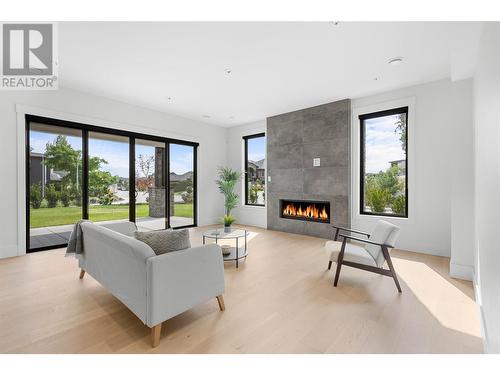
293 140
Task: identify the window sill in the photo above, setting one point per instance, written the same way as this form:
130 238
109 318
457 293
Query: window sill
253 207
382 217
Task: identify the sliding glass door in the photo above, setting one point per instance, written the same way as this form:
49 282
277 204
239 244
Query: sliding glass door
77 171
150 185
54 183
182 187
108 181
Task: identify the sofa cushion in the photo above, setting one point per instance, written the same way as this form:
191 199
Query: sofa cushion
165 241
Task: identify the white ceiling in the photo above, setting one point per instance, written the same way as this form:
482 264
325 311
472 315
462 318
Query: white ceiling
275 67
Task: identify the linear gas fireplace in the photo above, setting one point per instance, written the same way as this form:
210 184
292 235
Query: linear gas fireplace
318 211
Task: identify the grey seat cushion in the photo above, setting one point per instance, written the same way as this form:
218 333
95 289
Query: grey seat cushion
165 241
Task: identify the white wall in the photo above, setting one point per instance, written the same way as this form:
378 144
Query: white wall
461 138
430 122
249 215
99 110
487 186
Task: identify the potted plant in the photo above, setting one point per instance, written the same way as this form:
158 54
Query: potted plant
227 183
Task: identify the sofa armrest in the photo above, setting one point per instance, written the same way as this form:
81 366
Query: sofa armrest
180 280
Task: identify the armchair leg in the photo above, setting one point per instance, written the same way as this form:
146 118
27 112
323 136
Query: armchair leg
155 335
82 273
340 258
391 267
220 300
329 265
337 274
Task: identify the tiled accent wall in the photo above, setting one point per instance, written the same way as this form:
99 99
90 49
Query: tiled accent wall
293 140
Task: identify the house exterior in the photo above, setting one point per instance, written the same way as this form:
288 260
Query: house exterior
256 170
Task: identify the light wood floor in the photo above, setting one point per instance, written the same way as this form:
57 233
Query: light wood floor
280 301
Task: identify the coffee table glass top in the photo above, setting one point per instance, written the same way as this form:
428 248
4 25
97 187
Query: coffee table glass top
219 233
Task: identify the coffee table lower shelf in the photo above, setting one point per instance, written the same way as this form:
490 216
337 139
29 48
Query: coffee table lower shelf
231 257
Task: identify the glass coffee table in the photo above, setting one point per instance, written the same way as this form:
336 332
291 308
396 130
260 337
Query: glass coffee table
229 234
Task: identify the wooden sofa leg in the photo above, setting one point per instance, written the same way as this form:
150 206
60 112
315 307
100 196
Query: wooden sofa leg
82 273
155 335
329 265
220 300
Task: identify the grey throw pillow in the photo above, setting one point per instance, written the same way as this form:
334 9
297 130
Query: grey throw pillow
165 241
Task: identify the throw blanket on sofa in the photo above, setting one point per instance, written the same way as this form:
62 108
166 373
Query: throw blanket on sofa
75 243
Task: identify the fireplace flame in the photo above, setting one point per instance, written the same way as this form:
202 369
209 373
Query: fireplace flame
310 211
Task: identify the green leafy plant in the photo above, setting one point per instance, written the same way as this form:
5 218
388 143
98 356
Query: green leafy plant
228 220
35 196
253 192
106 199
377 199
187 196
227 183
399 204
65 197
51 195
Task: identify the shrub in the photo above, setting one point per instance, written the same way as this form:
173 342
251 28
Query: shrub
377 199
187 196
51 195
35 196
107 198
65 198
399 205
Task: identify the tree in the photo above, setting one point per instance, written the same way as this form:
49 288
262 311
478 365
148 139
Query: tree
145 165
100 182
401 130
60 156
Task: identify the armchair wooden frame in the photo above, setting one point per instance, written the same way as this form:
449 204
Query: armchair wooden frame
391 272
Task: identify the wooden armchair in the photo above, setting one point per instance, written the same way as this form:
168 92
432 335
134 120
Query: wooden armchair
369 257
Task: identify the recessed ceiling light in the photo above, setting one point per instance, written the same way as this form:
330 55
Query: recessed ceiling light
395 61
206 116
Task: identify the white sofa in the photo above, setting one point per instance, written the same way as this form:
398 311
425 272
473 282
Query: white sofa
154 287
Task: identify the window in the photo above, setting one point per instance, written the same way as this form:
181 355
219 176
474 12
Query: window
78 171
255 169
384 163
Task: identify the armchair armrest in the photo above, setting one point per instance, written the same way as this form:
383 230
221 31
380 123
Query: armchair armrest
365 241
338 229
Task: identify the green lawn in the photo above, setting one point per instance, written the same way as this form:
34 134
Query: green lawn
47 217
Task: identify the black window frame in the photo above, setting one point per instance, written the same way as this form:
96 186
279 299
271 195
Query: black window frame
245 140
132 136
362 118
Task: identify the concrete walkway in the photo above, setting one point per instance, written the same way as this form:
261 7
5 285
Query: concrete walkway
59 234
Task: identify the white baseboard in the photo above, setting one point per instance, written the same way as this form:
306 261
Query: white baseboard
484 331
459 271
8 251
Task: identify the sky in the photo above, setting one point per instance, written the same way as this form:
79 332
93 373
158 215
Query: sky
116 153
382 144
257 148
